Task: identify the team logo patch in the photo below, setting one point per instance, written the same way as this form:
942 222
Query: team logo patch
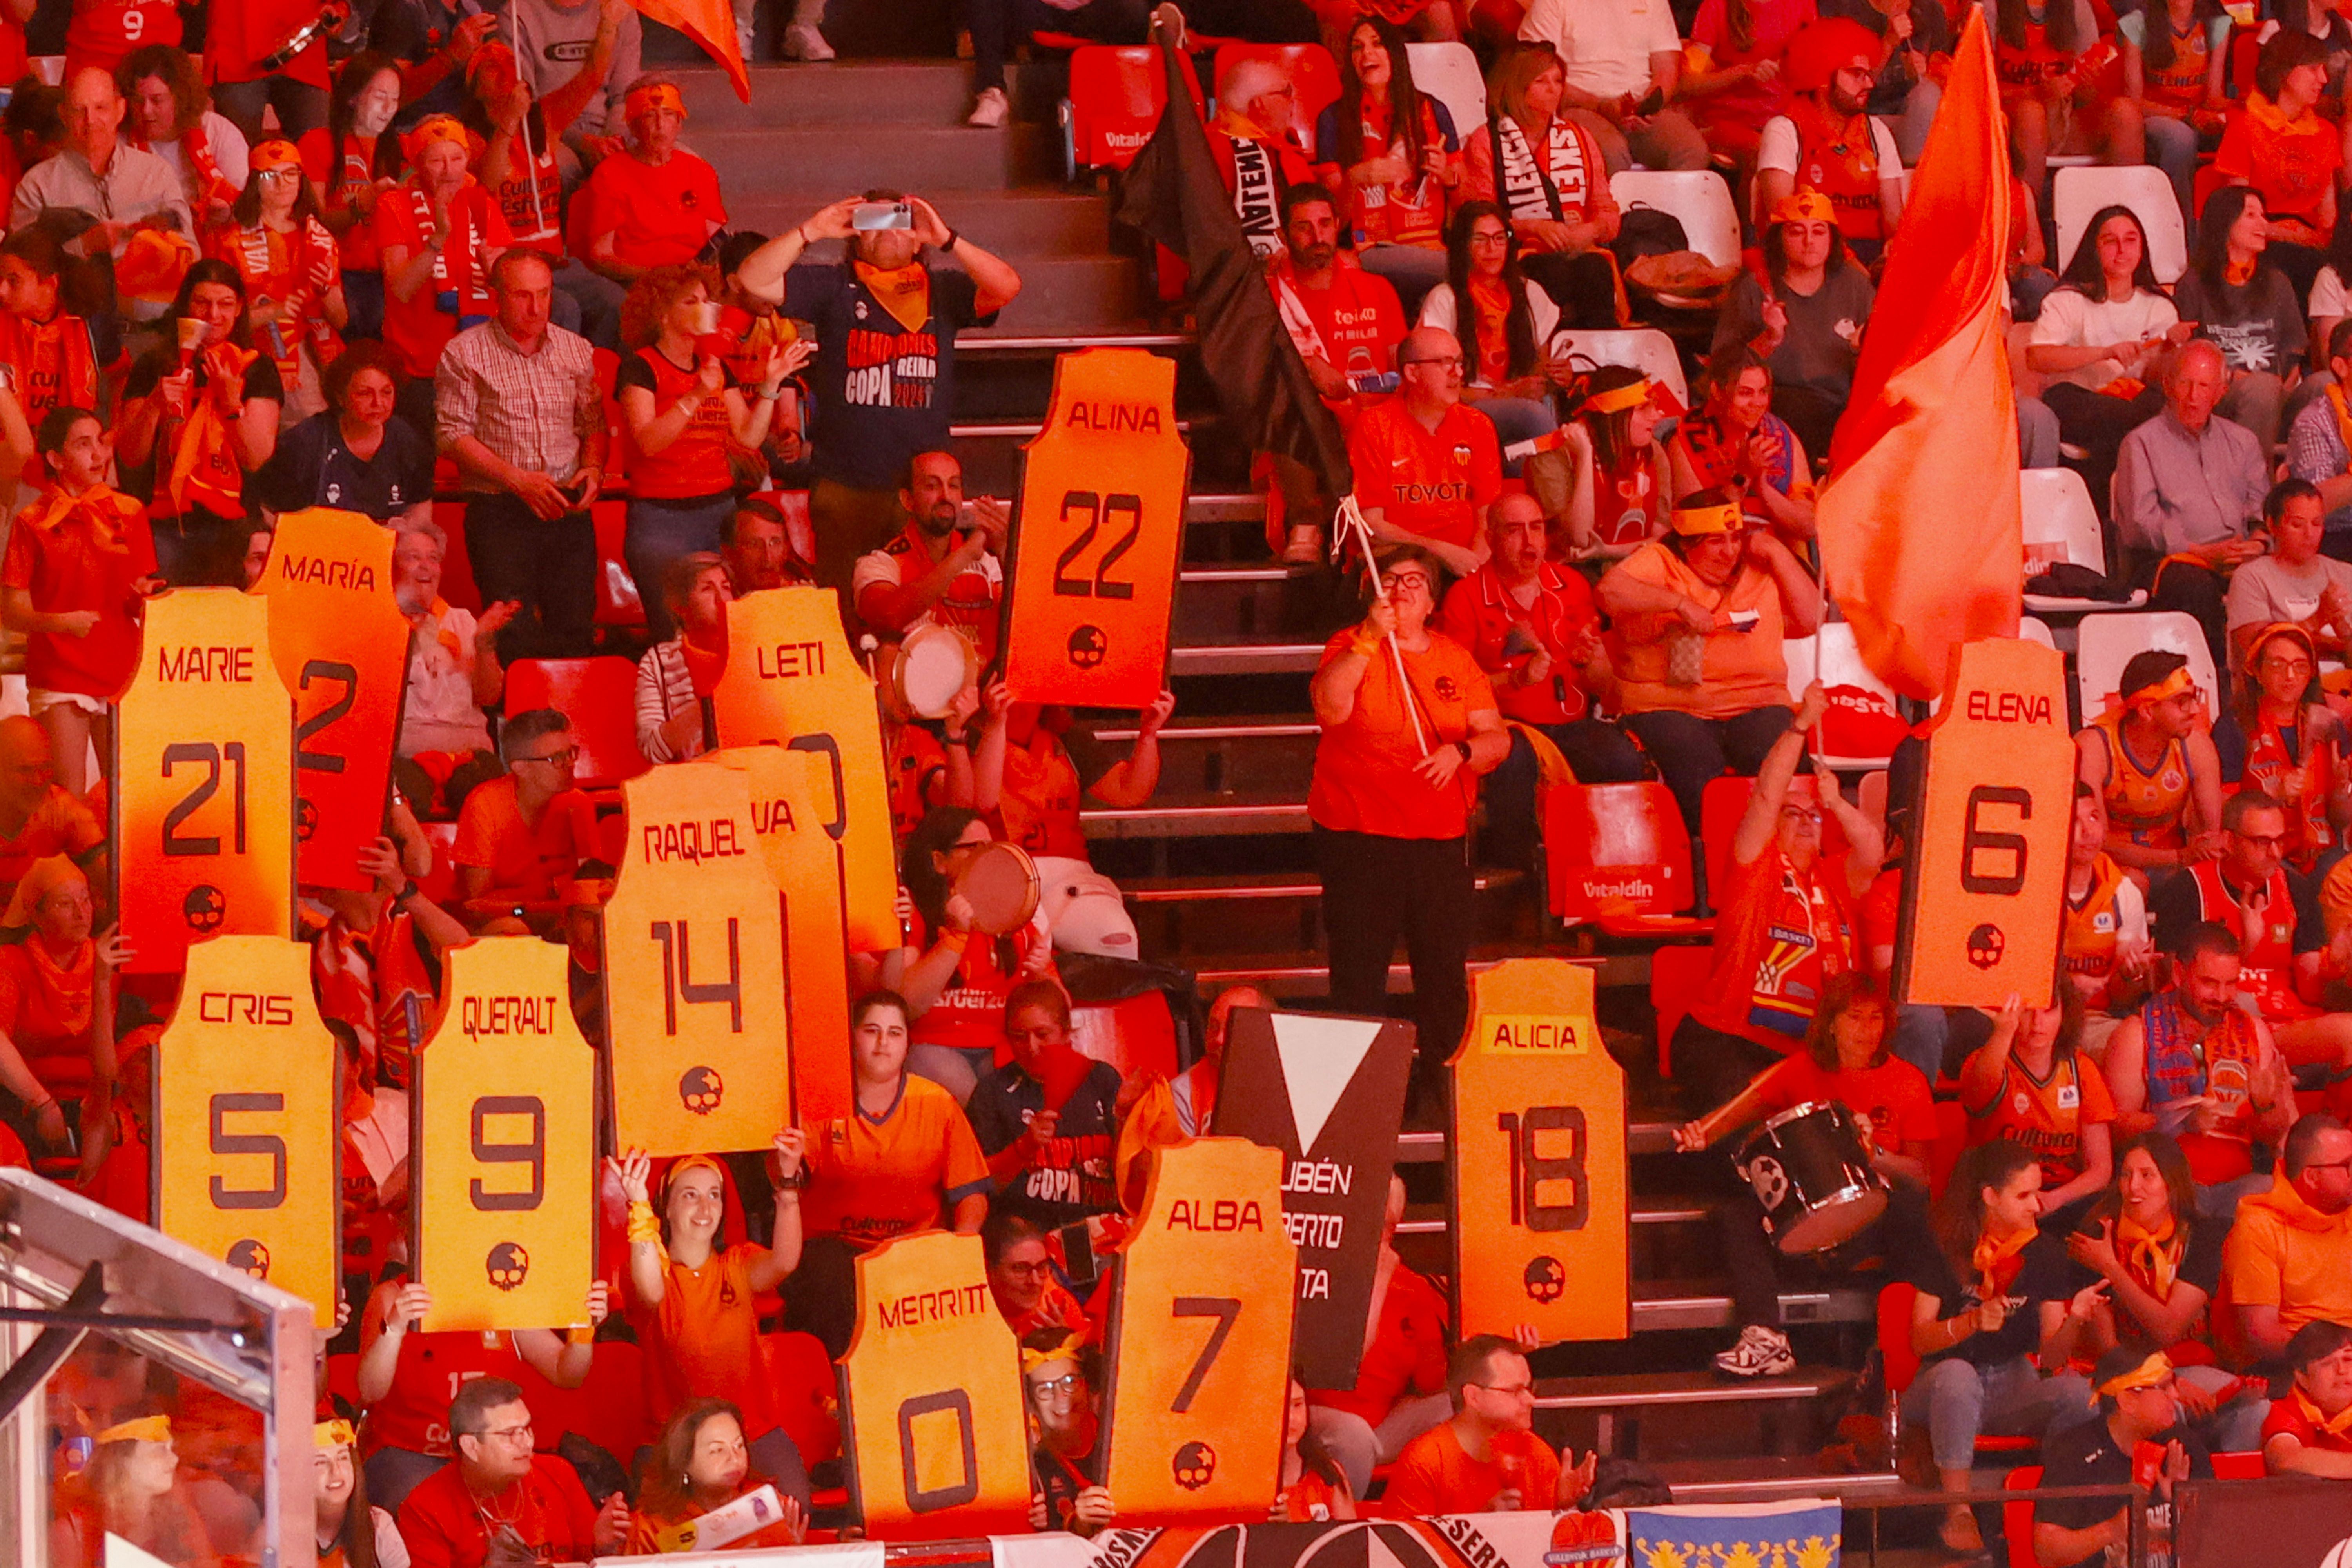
1985 945
1545 1280
1088 645
205 908
700 1089
1462 453
1447 689
2070 1097
508 1265
2171 778
250 1258
1194 1465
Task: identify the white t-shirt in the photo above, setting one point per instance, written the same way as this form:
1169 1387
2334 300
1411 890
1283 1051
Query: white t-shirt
1438 310
1606 43
882 566
2329 299
228 149
1779 148
2072 320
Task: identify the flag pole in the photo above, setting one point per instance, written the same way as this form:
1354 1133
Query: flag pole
1351 519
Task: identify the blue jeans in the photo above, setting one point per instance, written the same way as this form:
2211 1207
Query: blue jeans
660 532
2172 147
1959 1401
1517 419
1597 751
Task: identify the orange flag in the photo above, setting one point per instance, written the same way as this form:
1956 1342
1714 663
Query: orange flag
1919 527
711 23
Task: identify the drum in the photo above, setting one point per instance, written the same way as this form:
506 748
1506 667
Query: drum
935 663
1809 1168
1001 884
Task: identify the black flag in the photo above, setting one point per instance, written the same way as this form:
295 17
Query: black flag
1174 193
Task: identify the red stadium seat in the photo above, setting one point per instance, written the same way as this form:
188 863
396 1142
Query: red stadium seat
599 697
440 882
1902 1361
1676 976
2239 1467
609 1409
1719 814
1951 1143
1133 1034
618 602
1311 72
1618 855
457 566
2243 52
343 1378
807 1392
1116 97
2017 1516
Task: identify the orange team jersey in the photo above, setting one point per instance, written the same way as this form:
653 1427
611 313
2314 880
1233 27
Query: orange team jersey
2029 68
1625 501
1880 912
239 37
703 1340
1358 324
524 862
445 1526
969 1013
657 216
2266 928
973 604
458 292
2270 757
1405 1354
693 467
1364 779
1436 483
2181 86
50 363
413 1413
916 760
2045 1115
83 553
58 824
1893 1097
871 1178
337 180
1481 613
1784 934
531 197
45 1012
2146 803
1039 806
1311 1499
1411 212
1838 156
2293 163
1740 668
102 33
2094 934
1434 1476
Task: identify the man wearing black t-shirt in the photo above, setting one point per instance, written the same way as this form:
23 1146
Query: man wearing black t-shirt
2140 1429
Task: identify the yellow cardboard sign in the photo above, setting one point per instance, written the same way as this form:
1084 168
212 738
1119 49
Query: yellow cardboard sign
503 1142
1199 1341
1982 901
790 680
203 781
246 1140
792 796
1539 1189
694 988
1099 533
932 1395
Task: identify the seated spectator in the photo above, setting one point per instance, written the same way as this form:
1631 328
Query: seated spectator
1256 146
1825 140
524 174
677 677
169 116
1427 467
2245 305
1503 322
1531 626
50 354
2280 737
352 160
957 979
277 240
1734 442
38 817
2029 1084
2277 142
2099 339
1045 1116
56 1014
1910 33
2104 944
2297 583
694 1303
2187 482
433 40
943 568
79 565
1788 925
997 28
438 236
2305 1431
1393 152
2319 447
344 1516
2154 766
2288 1258
757 546
1310 1485
683 410
1400 1388
1994 1297
2176 60
519 833
1804 319
701 1444
94 172
1022 1279
1697 618
2140 1408
2053 74
651 203
1554 201
1061 1376
536 1498
354 455
2162 1266
1733 72
1168 1110
1845 1060
130 1487
1486 1458
453 673
1625 69
1609 489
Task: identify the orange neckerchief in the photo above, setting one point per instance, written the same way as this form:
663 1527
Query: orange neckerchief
903 291
2341 1425
2267 114
106 508
204 465
1996 1261
2152 1254
2237 274
442 634
1490 301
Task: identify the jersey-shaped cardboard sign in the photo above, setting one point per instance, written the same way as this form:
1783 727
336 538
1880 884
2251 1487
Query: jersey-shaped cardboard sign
1198 1348
931 1395
245 1088
693 984
342 647
1097 535
1540 1211
502 1145
790 680
791 794
203 796
1327 1093
1985 892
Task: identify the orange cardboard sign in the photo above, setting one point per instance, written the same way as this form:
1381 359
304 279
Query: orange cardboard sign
792 798
502 1145
1537 1155
1098 535
342 647
1199 1342
932 1396
693 987
1986 887
246 1141
203 781
790 680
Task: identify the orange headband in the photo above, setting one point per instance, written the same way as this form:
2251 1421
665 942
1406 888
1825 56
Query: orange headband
274 154
654 95
1030 1359
1618 399
335 1433
2274 630
435 128
688 1162
1800 206
1692 521
144 1429
2179 683
2146 1374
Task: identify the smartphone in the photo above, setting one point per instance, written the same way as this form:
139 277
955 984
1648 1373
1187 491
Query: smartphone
871 215
1079 1252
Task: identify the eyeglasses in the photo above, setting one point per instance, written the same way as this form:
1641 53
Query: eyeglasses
1449 362
562 759
1399 581
1063 1387
1038 1270
1509 1390
509 1434
2329 1165
2289 666
2265 841
278 176
1483 238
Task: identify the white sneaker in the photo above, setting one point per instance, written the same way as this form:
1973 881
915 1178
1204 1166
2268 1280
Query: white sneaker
804 42
992 111
1760 1353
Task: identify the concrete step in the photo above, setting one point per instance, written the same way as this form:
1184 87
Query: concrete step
1205 916
1196 816
1664 1305
1304 975
1428 1219
1645 1132
1019 225
858 93
940 160
1660 1388
1247 659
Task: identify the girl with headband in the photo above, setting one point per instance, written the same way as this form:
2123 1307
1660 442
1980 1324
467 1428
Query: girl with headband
277 238
130 1489
1061 1377
1610 486
351 1533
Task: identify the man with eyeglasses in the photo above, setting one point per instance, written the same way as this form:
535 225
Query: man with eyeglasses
1256 146
1427 466
1488 1458
2288 1260
498 1502
519 836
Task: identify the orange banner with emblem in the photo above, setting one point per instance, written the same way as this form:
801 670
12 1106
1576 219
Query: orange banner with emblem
1984 895
245 1124
694 991
1097 535
203 781
792 799
932 1397
792 680
1538 1157
1197 1347
502 1145
342 647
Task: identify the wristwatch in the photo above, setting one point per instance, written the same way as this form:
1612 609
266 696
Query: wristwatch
1463 747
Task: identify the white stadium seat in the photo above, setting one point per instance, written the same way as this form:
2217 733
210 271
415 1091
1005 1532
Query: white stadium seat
2061 525
1697 196
2079 192
1646 349
1449 73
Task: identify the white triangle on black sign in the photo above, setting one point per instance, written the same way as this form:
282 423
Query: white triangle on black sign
1319 1058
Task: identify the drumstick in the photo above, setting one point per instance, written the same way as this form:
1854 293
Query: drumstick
1354 518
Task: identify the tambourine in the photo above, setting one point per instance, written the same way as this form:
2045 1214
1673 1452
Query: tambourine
330 16
935 664
1001 884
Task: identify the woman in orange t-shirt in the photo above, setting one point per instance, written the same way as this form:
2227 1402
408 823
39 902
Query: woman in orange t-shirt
2279 144
57 1013
695 1306
700 1462
1409 724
